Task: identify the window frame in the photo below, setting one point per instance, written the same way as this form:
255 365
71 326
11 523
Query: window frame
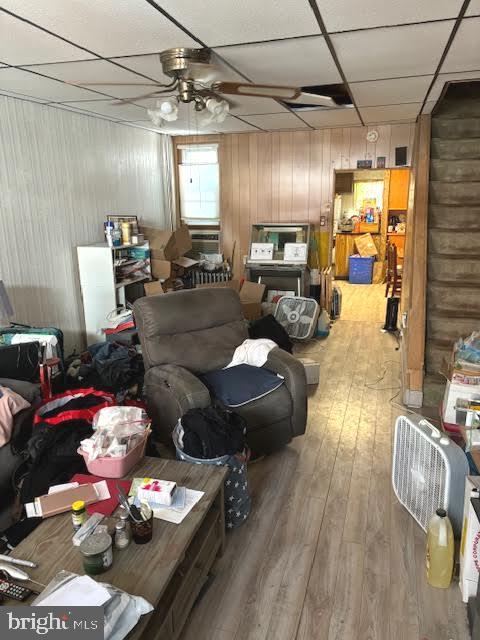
202 223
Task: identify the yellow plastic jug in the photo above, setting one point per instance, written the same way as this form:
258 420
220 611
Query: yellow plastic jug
440 550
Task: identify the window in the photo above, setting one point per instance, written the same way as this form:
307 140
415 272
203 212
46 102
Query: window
199 184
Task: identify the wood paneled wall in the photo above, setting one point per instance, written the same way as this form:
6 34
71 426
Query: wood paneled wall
288 176
60 174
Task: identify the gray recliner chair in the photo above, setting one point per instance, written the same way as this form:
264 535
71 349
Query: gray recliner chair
187 333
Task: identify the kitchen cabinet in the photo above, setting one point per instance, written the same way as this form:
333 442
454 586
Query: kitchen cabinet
398 190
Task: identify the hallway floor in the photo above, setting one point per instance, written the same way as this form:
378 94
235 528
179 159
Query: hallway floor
328 553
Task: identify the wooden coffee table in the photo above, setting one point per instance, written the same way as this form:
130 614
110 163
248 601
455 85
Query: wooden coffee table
169 571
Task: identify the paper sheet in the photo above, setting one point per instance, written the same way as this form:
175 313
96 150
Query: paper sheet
176 515
79 592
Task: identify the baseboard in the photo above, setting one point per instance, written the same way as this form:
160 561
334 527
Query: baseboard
412 398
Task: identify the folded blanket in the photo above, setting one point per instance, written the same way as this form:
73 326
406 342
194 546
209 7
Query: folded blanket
10 404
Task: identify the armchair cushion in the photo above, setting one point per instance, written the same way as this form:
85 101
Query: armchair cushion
197 329
241 384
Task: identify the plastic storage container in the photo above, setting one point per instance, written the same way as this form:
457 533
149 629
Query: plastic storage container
116 467
360 269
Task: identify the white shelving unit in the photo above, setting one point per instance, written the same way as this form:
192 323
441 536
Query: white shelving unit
103 290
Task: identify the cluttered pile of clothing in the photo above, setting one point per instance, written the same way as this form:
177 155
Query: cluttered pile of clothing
110 366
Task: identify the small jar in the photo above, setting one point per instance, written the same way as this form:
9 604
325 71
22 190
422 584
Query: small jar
125 518
122 539
79 514
97 553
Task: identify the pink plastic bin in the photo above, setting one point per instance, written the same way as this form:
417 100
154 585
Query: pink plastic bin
116 467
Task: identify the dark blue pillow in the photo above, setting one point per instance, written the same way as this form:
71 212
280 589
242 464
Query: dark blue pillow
241 384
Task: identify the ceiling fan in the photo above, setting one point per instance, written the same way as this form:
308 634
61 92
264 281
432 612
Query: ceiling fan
193 81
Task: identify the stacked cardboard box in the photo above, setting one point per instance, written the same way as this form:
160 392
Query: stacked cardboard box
251 295
167 254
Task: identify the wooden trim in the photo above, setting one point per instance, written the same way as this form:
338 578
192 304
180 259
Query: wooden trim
415 277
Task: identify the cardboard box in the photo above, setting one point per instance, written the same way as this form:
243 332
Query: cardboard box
153 288
453 392
167 245
250 293
161 269
366 246
469 551
185 263
312 370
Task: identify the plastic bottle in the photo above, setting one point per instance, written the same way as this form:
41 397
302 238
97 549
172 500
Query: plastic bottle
440 550
79 514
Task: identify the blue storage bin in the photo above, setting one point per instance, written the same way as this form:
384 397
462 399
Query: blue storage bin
360 269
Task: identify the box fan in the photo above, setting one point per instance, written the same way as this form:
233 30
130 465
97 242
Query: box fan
428 472
298 316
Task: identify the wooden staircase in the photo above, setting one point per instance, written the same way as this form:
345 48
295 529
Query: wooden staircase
453 261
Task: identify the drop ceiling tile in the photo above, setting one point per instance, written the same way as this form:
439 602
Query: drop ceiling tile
98 71
397 91
297 62
106 108
147 65
390 113
339 15
246 105
392 53
21 96
82 112
108 28
218 23
326 118
233 125
276 121
32 84
21 43
446 77
473 8
464 54
144 124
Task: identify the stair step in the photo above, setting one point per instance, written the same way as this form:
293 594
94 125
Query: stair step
446 328
461 193
452 128
443 298
460 91
433 390
435 354
454 269
449 241
455 170
464 108
455 149
453 217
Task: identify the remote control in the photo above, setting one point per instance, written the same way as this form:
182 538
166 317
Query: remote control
13 591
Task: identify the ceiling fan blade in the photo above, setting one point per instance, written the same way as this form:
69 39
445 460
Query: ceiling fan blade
259 90
315 100
137 98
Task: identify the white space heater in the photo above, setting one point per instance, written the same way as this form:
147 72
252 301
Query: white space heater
428 472
298 316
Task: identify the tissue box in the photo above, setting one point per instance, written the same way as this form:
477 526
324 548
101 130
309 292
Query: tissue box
156 491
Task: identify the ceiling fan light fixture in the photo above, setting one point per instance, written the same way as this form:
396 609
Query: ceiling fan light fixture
218 108
166 110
